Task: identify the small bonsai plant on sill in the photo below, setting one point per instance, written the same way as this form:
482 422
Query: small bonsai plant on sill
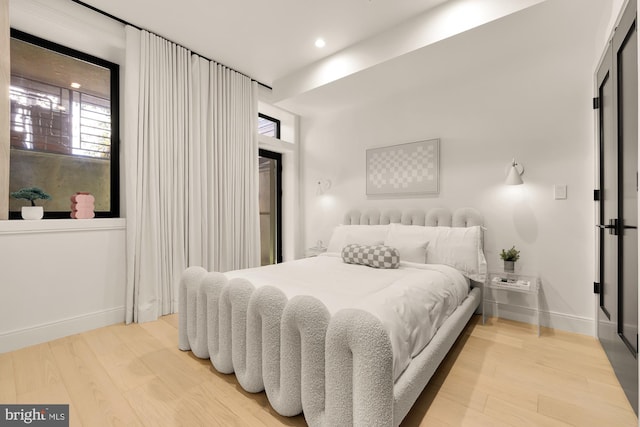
510 257
31 194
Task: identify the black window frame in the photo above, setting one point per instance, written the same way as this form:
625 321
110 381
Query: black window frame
274 120
114 161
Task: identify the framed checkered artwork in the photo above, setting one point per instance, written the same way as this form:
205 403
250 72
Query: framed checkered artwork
405 169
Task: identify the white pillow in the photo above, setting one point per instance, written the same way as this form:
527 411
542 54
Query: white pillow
411 248
356 234
458 247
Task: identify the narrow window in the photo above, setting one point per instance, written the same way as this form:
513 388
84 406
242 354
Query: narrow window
268 126
63 126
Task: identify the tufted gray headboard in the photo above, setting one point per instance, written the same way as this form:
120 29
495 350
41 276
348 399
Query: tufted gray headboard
442 217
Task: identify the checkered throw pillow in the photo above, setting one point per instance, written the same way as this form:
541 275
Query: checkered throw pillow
376 256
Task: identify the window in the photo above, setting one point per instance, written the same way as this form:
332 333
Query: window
63 126
268 126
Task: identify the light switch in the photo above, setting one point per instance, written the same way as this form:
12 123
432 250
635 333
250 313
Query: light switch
560 191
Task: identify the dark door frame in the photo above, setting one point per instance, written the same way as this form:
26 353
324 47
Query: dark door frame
602 80
612 331
278 158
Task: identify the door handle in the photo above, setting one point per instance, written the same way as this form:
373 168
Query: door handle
613 226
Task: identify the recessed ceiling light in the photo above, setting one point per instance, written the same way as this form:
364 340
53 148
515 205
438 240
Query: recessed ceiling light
320 43
76 85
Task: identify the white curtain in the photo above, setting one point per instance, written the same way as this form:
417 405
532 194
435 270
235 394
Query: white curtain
191 174
224 227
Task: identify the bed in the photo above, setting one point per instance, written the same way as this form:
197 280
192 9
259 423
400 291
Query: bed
345 338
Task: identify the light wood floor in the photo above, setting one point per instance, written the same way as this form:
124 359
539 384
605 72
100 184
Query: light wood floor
498 374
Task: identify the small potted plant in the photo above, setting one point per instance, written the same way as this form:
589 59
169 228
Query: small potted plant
31 194
510 257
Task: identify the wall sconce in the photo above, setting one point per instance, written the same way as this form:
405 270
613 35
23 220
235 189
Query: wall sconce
514 174
322 185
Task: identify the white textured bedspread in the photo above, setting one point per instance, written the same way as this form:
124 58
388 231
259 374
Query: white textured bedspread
411 301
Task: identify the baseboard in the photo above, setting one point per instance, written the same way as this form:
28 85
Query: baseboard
14 340
561 321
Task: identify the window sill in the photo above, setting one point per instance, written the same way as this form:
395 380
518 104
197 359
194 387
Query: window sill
61 225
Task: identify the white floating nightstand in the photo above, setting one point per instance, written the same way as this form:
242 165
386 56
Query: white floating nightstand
516 283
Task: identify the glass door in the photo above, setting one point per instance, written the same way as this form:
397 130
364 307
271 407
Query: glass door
270 203
617 96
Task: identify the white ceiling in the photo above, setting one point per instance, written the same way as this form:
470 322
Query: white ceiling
541 33
369 42
265 40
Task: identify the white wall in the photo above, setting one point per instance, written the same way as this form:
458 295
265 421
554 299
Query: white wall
60 277
288 146
527 97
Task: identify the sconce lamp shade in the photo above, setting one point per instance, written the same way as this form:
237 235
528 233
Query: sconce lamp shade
514 175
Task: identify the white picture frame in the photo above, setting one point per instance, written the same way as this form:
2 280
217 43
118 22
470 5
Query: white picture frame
409 169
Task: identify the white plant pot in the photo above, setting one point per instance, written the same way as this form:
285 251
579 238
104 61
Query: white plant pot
32 212
509 266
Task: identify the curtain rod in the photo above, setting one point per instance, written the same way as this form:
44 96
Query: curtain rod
122 21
